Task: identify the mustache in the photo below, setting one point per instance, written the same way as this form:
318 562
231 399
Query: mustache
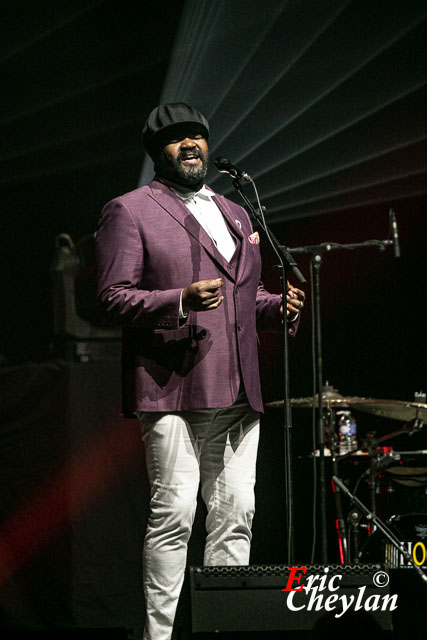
195 153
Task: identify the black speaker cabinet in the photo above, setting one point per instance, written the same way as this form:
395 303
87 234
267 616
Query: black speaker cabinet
271 598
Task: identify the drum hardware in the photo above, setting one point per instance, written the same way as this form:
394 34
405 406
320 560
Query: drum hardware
378 460
421 452
381 457
381 526
383 461
354 526
348 542
333 441
353 519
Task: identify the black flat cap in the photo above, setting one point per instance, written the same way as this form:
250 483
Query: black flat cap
169 120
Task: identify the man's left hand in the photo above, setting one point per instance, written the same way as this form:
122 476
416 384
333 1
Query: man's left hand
295 299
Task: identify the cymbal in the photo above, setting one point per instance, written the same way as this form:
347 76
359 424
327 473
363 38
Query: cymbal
330 399
395 409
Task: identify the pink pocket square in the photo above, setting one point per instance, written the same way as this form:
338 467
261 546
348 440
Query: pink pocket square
254 238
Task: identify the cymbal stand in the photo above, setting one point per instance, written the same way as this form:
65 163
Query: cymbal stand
354 526
373 470
339 522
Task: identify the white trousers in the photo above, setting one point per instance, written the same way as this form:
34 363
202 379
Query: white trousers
216 448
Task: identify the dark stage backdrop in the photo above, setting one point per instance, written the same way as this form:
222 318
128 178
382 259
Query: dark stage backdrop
372 311
332 96
74 498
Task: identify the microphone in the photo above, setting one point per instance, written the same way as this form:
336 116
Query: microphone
224 166
394 234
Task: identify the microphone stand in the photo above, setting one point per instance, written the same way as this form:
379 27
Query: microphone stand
287 264
317 252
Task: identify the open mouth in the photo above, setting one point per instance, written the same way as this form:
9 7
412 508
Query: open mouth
190 158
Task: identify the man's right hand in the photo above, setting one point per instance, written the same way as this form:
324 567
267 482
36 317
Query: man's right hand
202 296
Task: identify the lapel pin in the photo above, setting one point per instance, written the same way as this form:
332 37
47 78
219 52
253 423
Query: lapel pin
254 238
239 224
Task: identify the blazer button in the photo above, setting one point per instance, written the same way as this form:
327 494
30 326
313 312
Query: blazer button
239 327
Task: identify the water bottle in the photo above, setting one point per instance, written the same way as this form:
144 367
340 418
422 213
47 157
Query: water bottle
420 396
347 428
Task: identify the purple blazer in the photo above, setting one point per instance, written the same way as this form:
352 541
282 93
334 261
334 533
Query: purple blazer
149 247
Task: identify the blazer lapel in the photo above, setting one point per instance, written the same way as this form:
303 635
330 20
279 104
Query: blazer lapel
233 223
177 209
228 215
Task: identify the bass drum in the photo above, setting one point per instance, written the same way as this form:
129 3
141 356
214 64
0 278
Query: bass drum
412 530
402 504
403 490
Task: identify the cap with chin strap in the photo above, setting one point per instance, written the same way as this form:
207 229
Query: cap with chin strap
168 121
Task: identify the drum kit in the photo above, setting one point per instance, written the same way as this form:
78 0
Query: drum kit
396 480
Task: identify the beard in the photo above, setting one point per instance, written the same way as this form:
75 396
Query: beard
172 169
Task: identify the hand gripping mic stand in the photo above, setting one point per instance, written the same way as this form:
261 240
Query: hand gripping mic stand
287 264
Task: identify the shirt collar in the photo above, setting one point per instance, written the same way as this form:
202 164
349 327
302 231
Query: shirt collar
203 192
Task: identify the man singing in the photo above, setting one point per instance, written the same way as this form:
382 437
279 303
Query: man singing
179 269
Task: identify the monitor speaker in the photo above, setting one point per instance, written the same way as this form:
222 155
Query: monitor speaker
271 598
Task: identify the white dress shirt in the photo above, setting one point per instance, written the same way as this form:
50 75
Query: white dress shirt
208 215
206 212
